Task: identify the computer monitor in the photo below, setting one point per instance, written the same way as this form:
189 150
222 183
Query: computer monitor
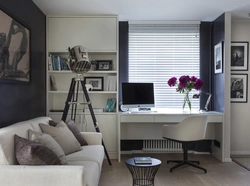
138 95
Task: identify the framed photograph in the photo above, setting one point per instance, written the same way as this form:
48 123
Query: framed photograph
15 50
239 88
103 64
218 58
239 56
96 82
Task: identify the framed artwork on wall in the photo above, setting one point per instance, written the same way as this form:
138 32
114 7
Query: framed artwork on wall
239 56
96 82
14 49
218 58
239 88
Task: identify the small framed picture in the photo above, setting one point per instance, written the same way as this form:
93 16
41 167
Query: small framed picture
239 88
218 58
239 56
103 64
96 82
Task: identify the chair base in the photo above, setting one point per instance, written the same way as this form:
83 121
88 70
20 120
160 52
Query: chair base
180 163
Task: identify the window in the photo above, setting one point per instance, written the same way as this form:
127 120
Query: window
158 52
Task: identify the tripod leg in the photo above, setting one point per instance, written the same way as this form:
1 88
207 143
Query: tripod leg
70 94
94 118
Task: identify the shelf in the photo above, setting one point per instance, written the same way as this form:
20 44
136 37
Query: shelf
85 113
60 52
81 92
89 72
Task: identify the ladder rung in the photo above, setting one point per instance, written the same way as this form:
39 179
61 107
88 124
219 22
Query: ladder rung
76 103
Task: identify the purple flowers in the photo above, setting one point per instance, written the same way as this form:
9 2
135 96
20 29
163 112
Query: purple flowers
186 83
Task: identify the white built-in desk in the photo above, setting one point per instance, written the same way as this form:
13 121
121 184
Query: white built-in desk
148 125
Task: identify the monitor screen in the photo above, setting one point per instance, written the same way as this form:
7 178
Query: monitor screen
138 95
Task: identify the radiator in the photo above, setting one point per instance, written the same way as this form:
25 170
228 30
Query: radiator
161 146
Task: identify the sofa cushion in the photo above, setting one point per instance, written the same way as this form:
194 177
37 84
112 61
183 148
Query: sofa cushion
32 153
76 132
7 154
48 141
93 153
63 136
35 122
92 172
72 127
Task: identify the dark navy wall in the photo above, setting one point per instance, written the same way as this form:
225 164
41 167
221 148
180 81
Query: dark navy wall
205 61
21 102
123 55
218 81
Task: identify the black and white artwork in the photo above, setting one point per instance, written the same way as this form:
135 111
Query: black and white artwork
14 50
239 87
218 60
96 82
104 65
239 56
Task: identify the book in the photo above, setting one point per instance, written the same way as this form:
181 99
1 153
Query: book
111 83
143 160
53 83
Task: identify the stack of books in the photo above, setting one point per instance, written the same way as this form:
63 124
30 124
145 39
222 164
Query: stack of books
143 160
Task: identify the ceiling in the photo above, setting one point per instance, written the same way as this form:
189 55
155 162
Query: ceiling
201 10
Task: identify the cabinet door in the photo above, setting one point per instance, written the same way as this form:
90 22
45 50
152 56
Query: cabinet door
94 33
108 128
79 124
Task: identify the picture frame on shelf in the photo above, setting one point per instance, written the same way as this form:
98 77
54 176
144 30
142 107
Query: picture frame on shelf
104 64
239 55
15 42
218 58
239 88
96 82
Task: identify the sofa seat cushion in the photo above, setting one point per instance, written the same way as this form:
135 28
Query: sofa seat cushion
91 171
93 153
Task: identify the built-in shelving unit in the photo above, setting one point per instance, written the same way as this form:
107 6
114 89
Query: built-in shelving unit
99 35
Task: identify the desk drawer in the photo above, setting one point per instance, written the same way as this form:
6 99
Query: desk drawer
170 118
137 119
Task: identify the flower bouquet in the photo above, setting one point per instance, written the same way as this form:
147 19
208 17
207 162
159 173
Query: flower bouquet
185 85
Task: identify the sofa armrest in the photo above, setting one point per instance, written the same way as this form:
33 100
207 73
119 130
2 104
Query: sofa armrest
53 175
92 138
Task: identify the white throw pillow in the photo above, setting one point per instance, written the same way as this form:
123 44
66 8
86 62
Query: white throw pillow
48 141
63 136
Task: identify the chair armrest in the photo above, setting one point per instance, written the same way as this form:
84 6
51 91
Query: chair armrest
92 138
52 175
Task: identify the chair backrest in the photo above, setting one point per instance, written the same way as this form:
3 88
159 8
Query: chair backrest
192 128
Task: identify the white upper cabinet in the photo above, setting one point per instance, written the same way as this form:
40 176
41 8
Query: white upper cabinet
97 34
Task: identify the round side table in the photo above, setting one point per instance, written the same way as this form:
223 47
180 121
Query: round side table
143 174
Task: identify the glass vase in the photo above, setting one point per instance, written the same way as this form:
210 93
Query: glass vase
187 102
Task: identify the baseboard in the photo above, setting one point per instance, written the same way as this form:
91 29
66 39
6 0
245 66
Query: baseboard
240 153
228 160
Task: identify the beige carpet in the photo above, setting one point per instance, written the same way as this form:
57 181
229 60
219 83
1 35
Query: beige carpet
242 161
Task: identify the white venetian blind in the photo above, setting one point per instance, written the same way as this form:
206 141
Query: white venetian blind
158 52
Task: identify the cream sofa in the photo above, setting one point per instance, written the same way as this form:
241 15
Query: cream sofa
83 169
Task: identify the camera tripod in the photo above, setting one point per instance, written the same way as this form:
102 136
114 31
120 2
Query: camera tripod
72 99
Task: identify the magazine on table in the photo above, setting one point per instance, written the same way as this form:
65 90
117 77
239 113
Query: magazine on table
142 160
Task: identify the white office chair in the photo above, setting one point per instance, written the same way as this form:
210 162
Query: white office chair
190 129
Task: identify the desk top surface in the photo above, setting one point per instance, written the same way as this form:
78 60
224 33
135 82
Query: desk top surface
167 111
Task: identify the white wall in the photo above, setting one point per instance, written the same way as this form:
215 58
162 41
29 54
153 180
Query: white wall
240 112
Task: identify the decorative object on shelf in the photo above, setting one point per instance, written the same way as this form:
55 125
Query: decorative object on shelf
239 88
111 83
239 55
218 58
110 105
185 85
96 82
15 50
103 64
